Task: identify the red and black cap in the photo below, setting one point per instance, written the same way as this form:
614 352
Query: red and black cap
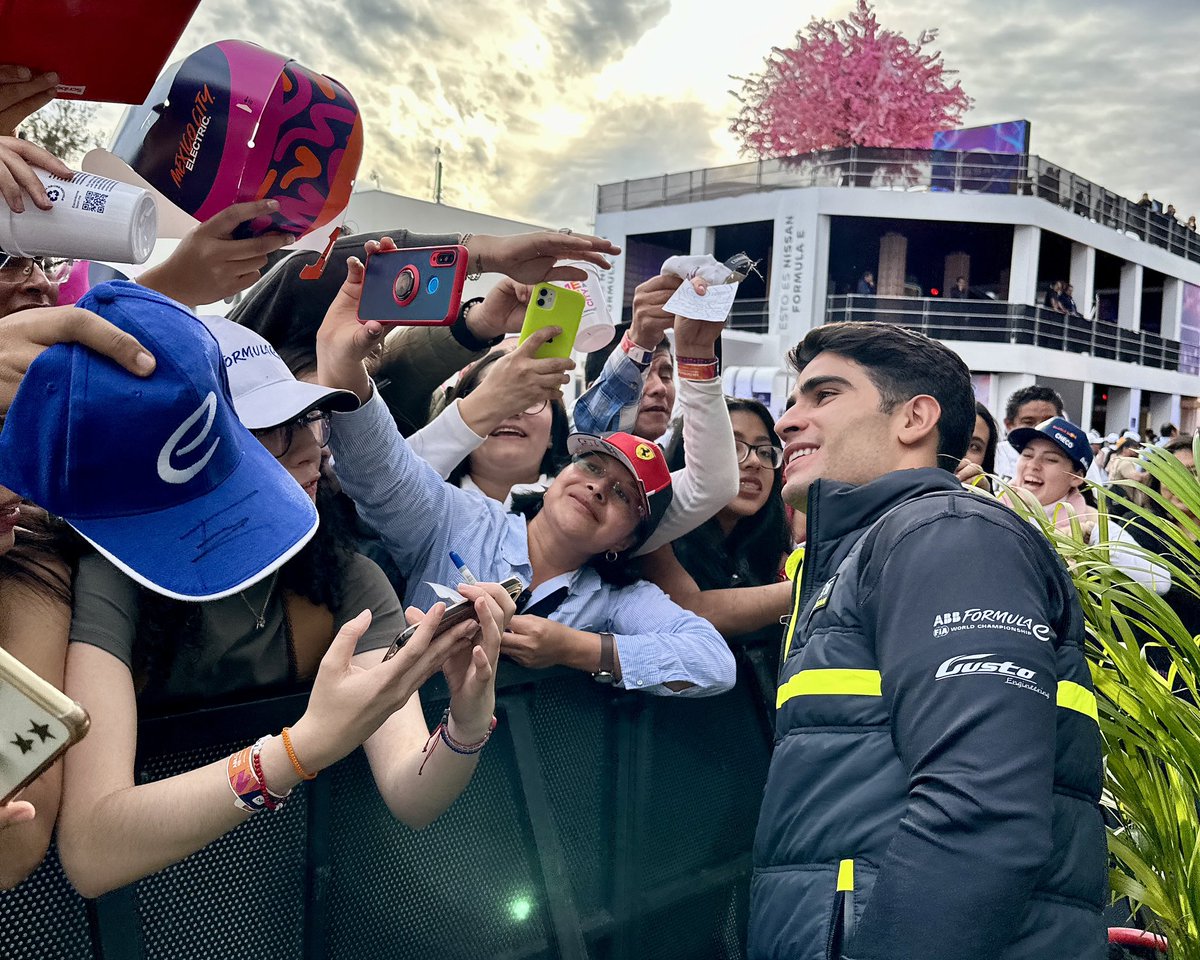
645 460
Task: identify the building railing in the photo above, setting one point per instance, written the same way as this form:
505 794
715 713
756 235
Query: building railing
599 823
909 170
997 321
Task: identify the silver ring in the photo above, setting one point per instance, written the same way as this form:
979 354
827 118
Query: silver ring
566 230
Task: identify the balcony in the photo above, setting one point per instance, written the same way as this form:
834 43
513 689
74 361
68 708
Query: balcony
997 321
910 171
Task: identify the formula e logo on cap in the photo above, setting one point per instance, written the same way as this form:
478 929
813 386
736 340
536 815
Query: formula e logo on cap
644 451
207 408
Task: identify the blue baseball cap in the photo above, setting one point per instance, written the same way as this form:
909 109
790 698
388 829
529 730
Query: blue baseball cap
1071 438
157 473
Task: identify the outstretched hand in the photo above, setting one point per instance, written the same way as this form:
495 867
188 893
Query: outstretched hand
470 670
533 257
209 264
22 94
17 178
515 383
25 334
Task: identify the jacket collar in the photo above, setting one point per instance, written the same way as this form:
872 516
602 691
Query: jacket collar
844 508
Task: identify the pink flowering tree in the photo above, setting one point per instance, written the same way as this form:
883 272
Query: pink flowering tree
847 83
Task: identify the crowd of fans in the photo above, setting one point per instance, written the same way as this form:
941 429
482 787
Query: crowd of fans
647 525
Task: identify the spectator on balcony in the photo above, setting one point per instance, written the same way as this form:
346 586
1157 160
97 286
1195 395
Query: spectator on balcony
960 290
323 618
571 545
1145 200
1191 223
1171 214
1066 302
866 285
1026 407
1053 298
728 569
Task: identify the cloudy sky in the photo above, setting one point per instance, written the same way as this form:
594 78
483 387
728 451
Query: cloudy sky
534 104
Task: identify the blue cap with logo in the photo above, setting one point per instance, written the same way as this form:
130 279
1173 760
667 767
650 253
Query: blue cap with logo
157 473
1071 438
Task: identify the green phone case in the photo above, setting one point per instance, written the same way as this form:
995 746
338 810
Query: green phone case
566 311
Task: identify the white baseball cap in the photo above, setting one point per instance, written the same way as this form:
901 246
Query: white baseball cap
265 393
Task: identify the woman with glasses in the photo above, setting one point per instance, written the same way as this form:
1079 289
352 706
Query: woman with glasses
504 428
727 570
570 545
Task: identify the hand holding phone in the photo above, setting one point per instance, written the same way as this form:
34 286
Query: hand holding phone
553 306
417 287
454 615
37 724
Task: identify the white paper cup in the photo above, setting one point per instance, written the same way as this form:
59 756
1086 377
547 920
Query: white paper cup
92 218
596 329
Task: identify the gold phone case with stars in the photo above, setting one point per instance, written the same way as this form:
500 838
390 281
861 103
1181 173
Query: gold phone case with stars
37 724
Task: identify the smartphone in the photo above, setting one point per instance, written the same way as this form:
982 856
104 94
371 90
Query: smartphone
417 287
553 306
37 724
454 615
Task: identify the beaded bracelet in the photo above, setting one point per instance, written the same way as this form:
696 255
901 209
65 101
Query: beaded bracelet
441 732
272 801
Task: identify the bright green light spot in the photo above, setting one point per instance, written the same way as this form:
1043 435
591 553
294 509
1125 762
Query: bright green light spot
521 908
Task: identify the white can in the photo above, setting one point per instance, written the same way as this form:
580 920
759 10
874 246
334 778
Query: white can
91 218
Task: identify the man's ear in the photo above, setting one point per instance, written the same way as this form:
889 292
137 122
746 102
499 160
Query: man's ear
919 421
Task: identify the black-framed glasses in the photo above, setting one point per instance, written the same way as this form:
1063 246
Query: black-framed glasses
21 268
278 440
768 454
535 409
592 465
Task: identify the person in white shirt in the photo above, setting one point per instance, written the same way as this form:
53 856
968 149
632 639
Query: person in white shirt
1027 407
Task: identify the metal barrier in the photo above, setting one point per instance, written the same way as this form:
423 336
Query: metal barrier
997 321
599 823
910 170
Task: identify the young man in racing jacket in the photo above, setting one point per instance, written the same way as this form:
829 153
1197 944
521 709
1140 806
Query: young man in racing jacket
934 791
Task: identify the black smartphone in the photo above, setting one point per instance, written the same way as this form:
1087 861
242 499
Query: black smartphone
420 286
454 615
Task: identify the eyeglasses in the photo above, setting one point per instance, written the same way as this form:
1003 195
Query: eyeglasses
593 466
21 268
534 410
278 440
768 454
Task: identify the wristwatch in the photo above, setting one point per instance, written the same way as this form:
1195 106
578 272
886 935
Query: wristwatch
608 660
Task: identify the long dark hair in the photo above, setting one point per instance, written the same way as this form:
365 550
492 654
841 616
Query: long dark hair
989 451
621 572
555 457
43 545
755 545
168 627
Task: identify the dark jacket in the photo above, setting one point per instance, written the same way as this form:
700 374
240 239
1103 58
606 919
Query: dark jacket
934 791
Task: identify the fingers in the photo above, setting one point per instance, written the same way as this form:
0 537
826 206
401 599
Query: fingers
228 220
529 346
256 248
15 113
16 811
504 605
341 650
72 325
657 285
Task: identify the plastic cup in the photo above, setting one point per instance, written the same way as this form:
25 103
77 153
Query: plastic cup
596 329
92 218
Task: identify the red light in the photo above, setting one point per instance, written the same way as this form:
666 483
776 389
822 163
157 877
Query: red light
934 291
1104 396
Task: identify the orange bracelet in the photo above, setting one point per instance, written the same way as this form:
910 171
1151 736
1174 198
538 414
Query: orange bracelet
291 752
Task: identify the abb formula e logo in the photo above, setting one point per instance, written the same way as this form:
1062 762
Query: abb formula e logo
974 618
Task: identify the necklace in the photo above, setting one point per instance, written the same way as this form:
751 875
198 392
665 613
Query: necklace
260 618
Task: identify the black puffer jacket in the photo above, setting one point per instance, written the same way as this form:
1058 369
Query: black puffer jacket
935 787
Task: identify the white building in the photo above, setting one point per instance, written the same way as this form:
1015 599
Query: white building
918 220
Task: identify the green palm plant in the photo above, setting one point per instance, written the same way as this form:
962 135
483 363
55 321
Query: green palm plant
1151 733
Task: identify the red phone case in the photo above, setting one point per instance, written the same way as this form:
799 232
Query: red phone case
418 286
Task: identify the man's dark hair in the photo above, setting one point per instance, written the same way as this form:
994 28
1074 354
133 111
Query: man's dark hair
903 364
1032 394
1168 430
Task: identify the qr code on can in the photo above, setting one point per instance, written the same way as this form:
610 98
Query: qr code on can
93 202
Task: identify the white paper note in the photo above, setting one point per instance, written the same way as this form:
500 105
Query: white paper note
714 305
443 592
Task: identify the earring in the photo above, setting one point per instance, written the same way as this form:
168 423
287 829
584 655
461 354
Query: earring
611 556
